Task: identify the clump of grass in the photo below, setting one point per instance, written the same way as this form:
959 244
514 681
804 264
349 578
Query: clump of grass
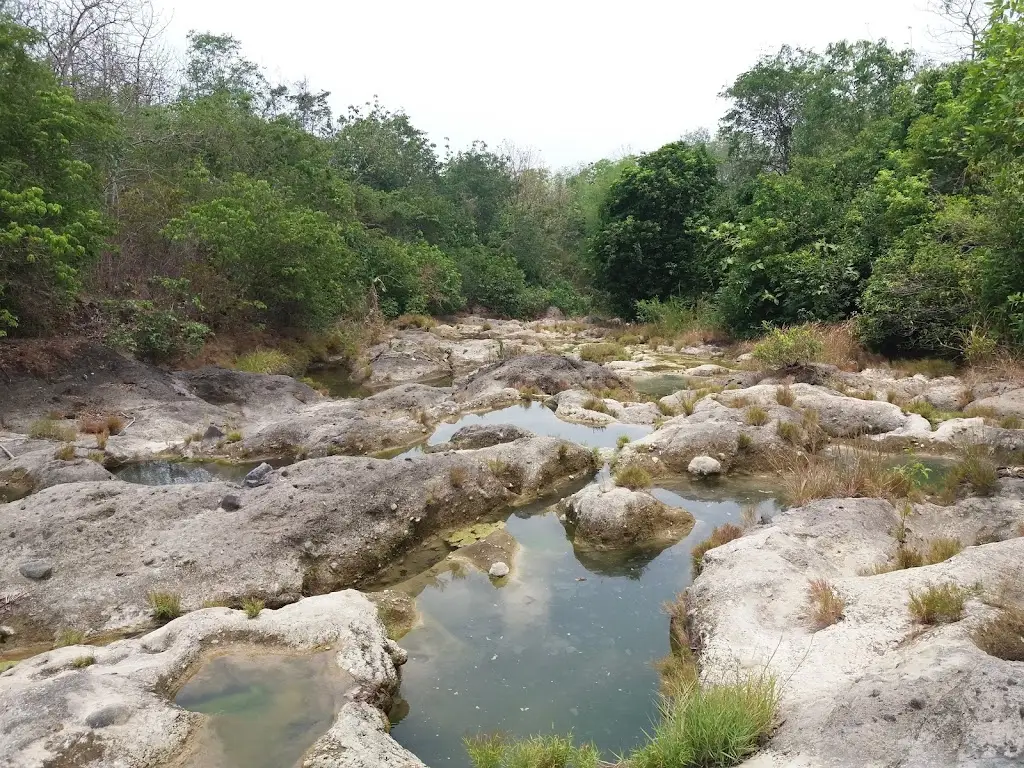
868 394
500 751
789 432
826 605
563 453
603 352
723 534
688 403
50 429
98 456
66 637
1011 422
941 549
974 468
164 606
458 476
756 416
252 606
529 392
5 665
744 441
938 604
862 475
65 452
83 661
486 326
784 396
424 322
633 477
711 726
498 467
1002 636
269 361
233 437
622 442
665 409
933 368
787 347
593 404
101 441
110 423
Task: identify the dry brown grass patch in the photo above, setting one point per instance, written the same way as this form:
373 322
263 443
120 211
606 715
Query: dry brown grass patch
826 606
111 423
784 396
1002 636
723 534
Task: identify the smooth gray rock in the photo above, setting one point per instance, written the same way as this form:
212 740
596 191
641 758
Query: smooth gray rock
37 570
213 432
612 517
481 436
258 476
704 466
549 373
498 570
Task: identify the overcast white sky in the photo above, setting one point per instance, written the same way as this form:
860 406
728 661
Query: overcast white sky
575 80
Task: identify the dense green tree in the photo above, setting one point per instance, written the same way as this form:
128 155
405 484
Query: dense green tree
51 225
651 244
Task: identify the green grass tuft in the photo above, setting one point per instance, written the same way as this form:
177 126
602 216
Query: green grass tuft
49 429
83 661
603 352
1002 636
252 606
942 604
826 605
756 416
164 606
622 442
633 477
270 361
789 432
68 637
499 751
784 396
593 404
65 452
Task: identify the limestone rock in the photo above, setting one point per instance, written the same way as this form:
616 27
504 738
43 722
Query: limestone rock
498 570
621 518
476 436
37 570
704 465
549 373
258 476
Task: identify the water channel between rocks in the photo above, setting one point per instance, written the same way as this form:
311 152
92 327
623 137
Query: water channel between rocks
567 643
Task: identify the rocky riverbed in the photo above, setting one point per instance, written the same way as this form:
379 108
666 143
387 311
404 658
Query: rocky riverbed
84 551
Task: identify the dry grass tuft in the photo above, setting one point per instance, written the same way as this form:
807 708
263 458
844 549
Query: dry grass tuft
51 429
789 432
593 404
111 424
941 549
1002 636
862 474
65 452
458 476
723 534
68 637
976 468
756 416
633 477
784 396
826 605
942 604
603 352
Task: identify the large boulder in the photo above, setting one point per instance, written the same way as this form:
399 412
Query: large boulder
875 688
115 709
611 517
1006 404
39 469
315 526
476 436
409 356
251 392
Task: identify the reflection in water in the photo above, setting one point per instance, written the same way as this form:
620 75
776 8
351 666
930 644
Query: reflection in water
564 646
265 711
185 472
661 386
541 421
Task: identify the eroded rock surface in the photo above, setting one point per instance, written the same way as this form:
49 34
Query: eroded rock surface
611 517
316 526
116 710
876 688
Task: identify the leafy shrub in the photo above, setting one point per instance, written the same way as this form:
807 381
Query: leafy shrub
154 334
939 604
423 322
50 429
723 534
633 477
782 348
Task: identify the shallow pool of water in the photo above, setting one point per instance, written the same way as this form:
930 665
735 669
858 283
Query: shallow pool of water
567 644
540 420
661 386
264 711
185 472
338 382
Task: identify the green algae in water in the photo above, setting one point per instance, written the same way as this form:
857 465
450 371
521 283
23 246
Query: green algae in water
264 711
566 645
472 534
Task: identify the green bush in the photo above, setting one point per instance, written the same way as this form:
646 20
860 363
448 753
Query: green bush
783 348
